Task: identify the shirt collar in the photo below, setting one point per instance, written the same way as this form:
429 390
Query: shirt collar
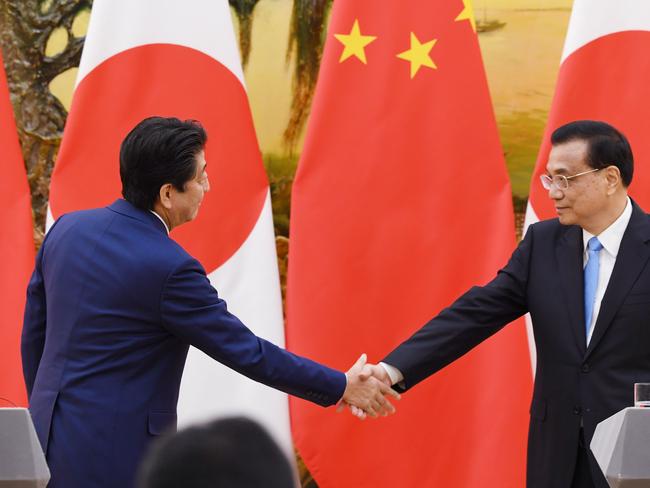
611 237
165 223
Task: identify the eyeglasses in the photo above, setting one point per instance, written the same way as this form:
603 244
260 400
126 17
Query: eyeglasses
561 182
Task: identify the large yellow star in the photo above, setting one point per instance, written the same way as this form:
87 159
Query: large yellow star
354 43
467 14
418 55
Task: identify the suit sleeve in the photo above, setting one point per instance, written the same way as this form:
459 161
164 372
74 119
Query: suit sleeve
192 310
34 322
472 318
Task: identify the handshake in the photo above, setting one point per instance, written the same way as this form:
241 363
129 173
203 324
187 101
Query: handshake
367 390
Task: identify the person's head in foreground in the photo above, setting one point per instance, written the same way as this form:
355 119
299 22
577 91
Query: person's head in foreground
163 168
228 453
589 169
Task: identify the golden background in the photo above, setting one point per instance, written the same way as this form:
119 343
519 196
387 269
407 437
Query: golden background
521 59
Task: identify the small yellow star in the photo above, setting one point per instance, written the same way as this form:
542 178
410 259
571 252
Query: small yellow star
418 55
467 14
354 43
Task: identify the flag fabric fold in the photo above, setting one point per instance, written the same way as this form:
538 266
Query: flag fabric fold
17 248
401 202
184 62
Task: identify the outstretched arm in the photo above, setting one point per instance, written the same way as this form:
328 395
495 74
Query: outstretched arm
365 393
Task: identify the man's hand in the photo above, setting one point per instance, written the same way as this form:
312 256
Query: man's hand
378 371
365 393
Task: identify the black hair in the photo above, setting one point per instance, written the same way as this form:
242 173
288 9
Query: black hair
158 151
606 145
229 453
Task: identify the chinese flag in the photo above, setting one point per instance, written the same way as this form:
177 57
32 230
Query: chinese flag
604 75
402 202
180 59
17 250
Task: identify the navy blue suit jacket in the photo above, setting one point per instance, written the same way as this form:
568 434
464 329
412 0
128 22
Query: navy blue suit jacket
112 306
575 385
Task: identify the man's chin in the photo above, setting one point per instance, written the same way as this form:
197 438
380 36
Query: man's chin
566 219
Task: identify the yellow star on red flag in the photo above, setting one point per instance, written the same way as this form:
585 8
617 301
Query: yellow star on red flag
354 43
418 55
467 14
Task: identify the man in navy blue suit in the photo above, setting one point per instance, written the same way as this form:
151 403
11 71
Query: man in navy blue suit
113 305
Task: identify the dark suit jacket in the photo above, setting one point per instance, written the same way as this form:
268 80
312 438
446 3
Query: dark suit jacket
111 309
573 383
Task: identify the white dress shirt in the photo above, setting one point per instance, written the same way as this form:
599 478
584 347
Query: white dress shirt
610 238
162 220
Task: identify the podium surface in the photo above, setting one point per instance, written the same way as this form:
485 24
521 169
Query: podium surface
621 445
22 463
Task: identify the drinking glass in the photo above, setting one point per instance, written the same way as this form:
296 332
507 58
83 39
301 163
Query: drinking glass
642 395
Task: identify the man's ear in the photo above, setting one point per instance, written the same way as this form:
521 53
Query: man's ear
613 175
165 194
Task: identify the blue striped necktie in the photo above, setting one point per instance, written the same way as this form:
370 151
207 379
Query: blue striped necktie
591 279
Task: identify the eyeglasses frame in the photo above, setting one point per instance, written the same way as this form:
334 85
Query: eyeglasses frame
547 181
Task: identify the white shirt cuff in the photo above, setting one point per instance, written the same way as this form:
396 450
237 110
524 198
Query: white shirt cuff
395 374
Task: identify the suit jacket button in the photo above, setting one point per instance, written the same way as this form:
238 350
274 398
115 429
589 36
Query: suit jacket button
585 368
576 410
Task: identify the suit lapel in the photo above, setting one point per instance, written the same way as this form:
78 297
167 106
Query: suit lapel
569 256
630 261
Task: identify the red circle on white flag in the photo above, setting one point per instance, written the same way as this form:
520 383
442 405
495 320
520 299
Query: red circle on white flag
166 80
606 80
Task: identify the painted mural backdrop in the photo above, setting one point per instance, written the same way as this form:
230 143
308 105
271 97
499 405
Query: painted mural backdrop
281 44
521 42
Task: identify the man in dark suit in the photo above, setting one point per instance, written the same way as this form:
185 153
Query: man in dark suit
113 305
584 278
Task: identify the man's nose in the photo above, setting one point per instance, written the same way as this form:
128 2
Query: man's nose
206 185
554 193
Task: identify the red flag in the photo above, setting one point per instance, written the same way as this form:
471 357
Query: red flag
17 250
402 202
603 76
